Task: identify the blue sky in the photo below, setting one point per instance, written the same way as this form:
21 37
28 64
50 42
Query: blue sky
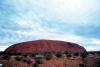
75 21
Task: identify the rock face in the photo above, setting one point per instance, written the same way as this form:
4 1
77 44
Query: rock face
43 46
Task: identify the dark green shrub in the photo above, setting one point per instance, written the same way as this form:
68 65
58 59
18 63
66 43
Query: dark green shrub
47 55
84 54
76 54
6 57
68 55
18 58
25 55
39 61
66 52
34 54
1 52
58 54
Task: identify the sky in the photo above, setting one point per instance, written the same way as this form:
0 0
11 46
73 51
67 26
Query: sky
76 21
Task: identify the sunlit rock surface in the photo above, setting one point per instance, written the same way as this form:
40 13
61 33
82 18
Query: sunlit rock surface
43 46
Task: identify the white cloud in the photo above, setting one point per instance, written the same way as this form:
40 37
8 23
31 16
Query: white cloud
72 11
96 41
67 11
30 14
88 43
93 48
42 32
2 48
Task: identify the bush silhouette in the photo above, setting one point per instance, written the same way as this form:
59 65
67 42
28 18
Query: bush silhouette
47 55
6 57
58 54
18 58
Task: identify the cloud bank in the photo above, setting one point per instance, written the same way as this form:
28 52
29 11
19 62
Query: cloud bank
68 20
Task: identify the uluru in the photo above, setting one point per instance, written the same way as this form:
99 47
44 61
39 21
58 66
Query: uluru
44 46
48 53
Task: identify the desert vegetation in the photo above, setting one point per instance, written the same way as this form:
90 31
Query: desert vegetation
41 59
36 56
47 55
58 54
33 54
